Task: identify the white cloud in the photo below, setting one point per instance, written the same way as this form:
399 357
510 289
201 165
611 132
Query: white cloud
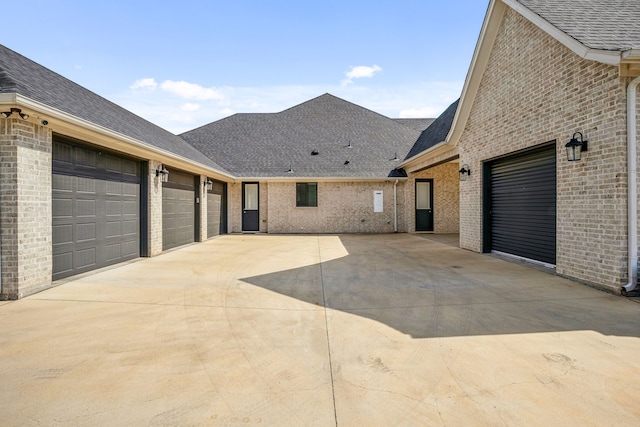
359 72
191 90
190 107
169 109
144 84
419 113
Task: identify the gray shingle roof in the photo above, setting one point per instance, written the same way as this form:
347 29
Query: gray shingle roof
267 145
22 76
417 124
435 133
598 24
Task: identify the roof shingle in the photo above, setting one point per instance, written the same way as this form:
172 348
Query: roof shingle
435 133
22 76
268 145
598 24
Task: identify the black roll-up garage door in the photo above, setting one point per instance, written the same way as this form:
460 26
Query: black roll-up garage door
217 209
523 205
178 209
95 207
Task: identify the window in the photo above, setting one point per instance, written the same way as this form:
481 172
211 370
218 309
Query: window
306 194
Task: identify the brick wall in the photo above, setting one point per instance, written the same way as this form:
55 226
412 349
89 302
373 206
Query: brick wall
155 209
446 198
25 208
343 207
203 209
234 195
535 90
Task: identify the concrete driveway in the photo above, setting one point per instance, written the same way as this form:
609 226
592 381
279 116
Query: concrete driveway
380 330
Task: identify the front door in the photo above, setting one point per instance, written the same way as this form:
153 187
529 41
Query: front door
250 204
424 205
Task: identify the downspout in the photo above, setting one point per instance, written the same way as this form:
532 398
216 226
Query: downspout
395 207
632 186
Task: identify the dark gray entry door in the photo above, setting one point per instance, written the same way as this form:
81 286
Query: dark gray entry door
178 209
250 206
424 205
95 208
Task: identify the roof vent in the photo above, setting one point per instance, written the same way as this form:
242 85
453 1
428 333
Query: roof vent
315 153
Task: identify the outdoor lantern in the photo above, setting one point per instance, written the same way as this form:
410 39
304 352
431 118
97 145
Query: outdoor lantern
208 184
162 173
465 172
575 147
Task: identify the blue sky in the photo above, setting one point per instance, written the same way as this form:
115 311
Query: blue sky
184 64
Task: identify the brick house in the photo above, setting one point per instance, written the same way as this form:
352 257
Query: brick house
543 74
85 184
342 156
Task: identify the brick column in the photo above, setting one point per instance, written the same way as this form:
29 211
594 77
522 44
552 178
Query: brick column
155 210
25 208
203 209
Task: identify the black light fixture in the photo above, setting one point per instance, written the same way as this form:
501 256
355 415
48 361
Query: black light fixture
208 184
575 147
465 172
18 111
163 173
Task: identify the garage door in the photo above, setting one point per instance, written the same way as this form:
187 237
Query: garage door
217 209
523 205
178 209
95 207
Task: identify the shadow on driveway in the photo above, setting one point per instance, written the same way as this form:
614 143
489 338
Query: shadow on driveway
426 289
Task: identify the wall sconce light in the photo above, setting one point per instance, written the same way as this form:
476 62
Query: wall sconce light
208 184
465 172
575 147
162 173
18 111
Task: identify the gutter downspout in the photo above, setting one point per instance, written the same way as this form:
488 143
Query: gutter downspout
395 207
632 186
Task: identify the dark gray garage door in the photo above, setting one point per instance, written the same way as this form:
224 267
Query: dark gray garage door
217 209
95 206
178 209
523 205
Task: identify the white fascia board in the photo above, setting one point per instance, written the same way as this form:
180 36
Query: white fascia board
479 61
430 150
598 55
54 113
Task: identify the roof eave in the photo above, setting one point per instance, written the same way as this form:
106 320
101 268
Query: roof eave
123 142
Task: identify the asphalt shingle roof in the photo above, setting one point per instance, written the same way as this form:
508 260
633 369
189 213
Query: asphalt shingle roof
598 24
267 145
435 133
417 124
20 75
